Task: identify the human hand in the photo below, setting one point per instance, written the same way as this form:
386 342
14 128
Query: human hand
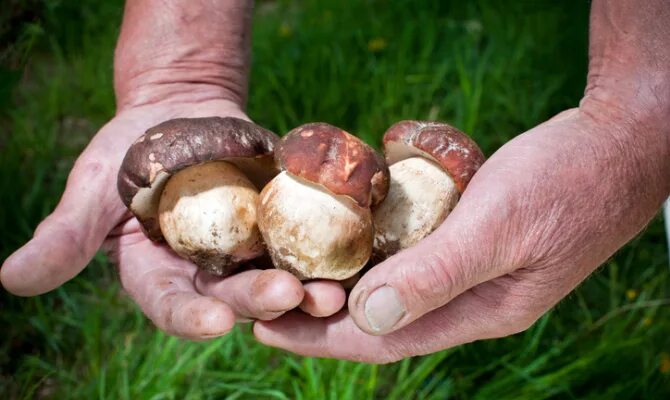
170 290
539 216
174 58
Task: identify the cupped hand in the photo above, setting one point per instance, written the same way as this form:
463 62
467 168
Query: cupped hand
170 290
539 216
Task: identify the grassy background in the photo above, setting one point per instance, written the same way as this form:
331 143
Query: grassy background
493 70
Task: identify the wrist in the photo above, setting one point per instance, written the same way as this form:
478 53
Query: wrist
180 107
626 95
636 133
185 50
137 88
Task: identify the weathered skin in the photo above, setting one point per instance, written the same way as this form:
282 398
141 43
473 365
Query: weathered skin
189 58
312 233
174 58
207 213
543 212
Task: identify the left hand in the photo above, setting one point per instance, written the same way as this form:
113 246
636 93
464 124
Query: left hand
539 216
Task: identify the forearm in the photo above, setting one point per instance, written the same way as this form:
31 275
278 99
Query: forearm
629 87
166 43
629 57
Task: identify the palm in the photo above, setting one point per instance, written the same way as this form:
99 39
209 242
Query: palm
168 289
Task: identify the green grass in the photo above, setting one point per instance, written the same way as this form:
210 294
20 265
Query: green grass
493 70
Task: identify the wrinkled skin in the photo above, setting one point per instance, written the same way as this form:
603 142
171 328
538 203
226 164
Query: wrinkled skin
535 221
161 72
541 214
169 289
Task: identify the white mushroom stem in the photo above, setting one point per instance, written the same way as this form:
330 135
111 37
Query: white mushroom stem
207 213
311 232
421 195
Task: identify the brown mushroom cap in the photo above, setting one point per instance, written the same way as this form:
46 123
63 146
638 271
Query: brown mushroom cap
326 155
452 149
179 143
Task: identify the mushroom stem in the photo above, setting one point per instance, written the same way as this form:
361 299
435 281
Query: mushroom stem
431 165
421 195
312 232
207 213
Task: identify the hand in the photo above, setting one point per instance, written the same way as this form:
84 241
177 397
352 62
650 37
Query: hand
540 215
174 58
169 289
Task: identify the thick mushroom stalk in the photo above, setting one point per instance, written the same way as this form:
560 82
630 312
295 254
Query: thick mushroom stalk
195 182
431 163
313 233
207 213
315 216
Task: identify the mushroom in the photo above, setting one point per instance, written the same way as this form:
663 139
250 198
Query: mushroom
431 164
194 183
315 215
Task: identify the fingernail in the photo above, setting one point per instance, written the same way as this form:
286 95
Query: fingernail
383 309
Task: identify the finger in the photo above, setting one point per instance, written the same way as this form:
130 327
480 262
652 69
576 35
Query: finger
323 298
487 312
309 336
68 238
189 315
463 252
162 285
254 294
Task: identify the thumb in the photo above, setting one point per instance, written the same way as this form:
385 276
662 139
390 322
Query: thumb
459 255
68 238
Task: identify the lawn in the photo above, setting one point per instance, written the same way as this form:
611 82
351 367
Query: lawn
492 69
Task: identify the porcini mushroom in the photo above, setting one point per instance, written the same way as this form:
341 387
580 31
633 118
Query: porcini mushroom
315 215
194 183
431 164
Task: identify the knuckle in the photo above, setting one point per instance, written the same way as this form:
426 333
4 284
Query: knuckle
203 283
521 314
163 316
512 310
94 171
157 297
433 280
61 226
396 347
89 167
517 321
